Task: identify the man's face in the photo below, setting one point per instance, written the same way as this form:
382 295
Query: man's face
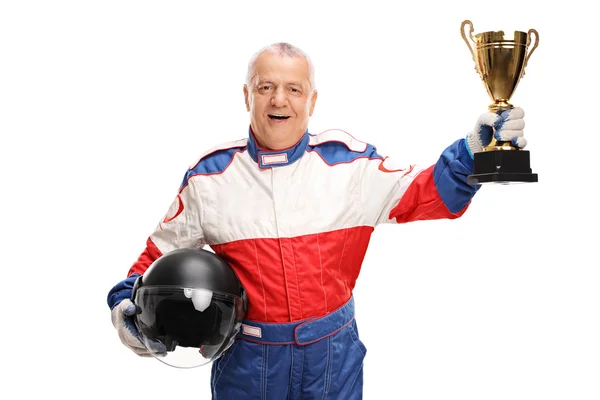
280 100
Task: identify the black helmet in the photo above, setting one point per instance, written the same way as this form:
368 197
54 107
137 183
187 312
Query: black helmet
190 305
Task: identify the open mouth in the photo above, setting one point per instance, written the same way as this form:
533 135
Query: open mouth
278 117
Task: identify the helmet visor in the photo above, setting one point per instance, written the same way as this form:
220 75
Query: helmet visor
185 327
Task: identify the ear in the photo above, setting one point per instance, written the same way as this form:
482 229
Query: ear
313 101
246 94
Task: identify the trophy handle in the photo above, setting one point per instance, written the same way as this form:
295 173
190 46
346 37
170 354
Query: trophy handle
535 44
462 33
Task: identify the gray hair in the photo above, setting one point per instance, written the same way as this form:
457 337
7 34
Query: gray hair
281 49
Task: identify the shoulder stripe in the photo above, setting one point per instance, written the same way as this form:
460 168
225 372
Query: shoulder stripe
215 160
338 147
224 146
339 136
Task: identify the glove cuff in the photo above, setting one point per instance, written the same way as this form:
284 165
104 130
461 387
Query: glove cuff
473 145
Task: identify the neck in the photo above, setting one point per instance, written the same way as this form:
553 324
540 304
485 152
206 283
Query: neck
282 144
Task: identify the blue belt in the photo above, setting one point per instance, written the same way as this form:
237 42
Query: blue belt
301 333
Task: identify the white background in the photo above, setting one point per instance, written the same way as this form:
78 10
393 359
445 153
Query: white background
104 104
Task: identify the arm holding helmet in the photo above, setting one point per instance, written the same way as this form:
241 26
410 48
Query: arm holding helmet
180 228
405 193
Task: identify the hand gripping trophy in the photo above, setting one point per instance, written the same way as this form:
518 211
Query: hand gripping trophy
500 59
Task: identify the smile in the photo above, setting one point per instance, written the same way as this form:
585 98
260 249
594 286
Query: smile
278 117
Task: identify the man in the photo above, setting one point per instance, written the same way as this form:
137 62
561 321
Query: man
292 213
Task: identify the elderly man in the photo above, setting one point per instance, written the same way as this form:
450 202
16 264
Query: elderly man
293 212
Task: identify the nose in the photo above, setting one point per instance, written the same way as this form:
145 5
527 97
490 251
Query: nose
279 98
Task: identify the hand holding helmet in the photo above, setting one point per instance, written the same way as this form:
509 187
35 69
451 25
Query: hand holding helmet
122 319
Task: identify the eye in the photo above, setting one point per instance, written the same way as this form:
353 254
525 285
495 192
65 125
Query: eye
294 90
264 88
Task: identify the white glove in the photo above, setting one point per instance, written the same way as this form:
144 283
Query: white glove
121 319
505 127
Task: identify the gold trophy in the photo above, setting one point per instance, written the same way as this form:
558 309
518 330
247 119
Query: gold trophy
500 59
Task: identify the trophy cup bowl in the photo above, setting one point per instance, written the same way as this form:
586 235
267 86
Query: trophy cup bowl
500 60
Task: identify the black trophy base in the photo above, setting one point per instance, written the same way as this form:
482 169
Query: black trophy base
502 166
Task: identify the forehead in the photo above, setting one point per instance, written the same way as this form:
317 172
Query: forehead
281 68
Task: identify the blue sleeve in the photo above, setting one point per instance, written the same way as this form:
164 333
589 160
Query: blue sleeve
121 291
450 176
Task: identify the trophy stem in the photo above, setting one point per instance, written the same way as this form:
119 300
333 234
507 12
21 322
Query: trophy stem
499 106
499 145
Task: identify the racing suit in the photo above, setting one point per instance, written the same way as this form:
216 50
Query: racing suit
295 224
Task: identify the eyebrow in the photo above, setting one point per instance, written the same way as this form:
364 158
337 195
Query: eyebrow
294 83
